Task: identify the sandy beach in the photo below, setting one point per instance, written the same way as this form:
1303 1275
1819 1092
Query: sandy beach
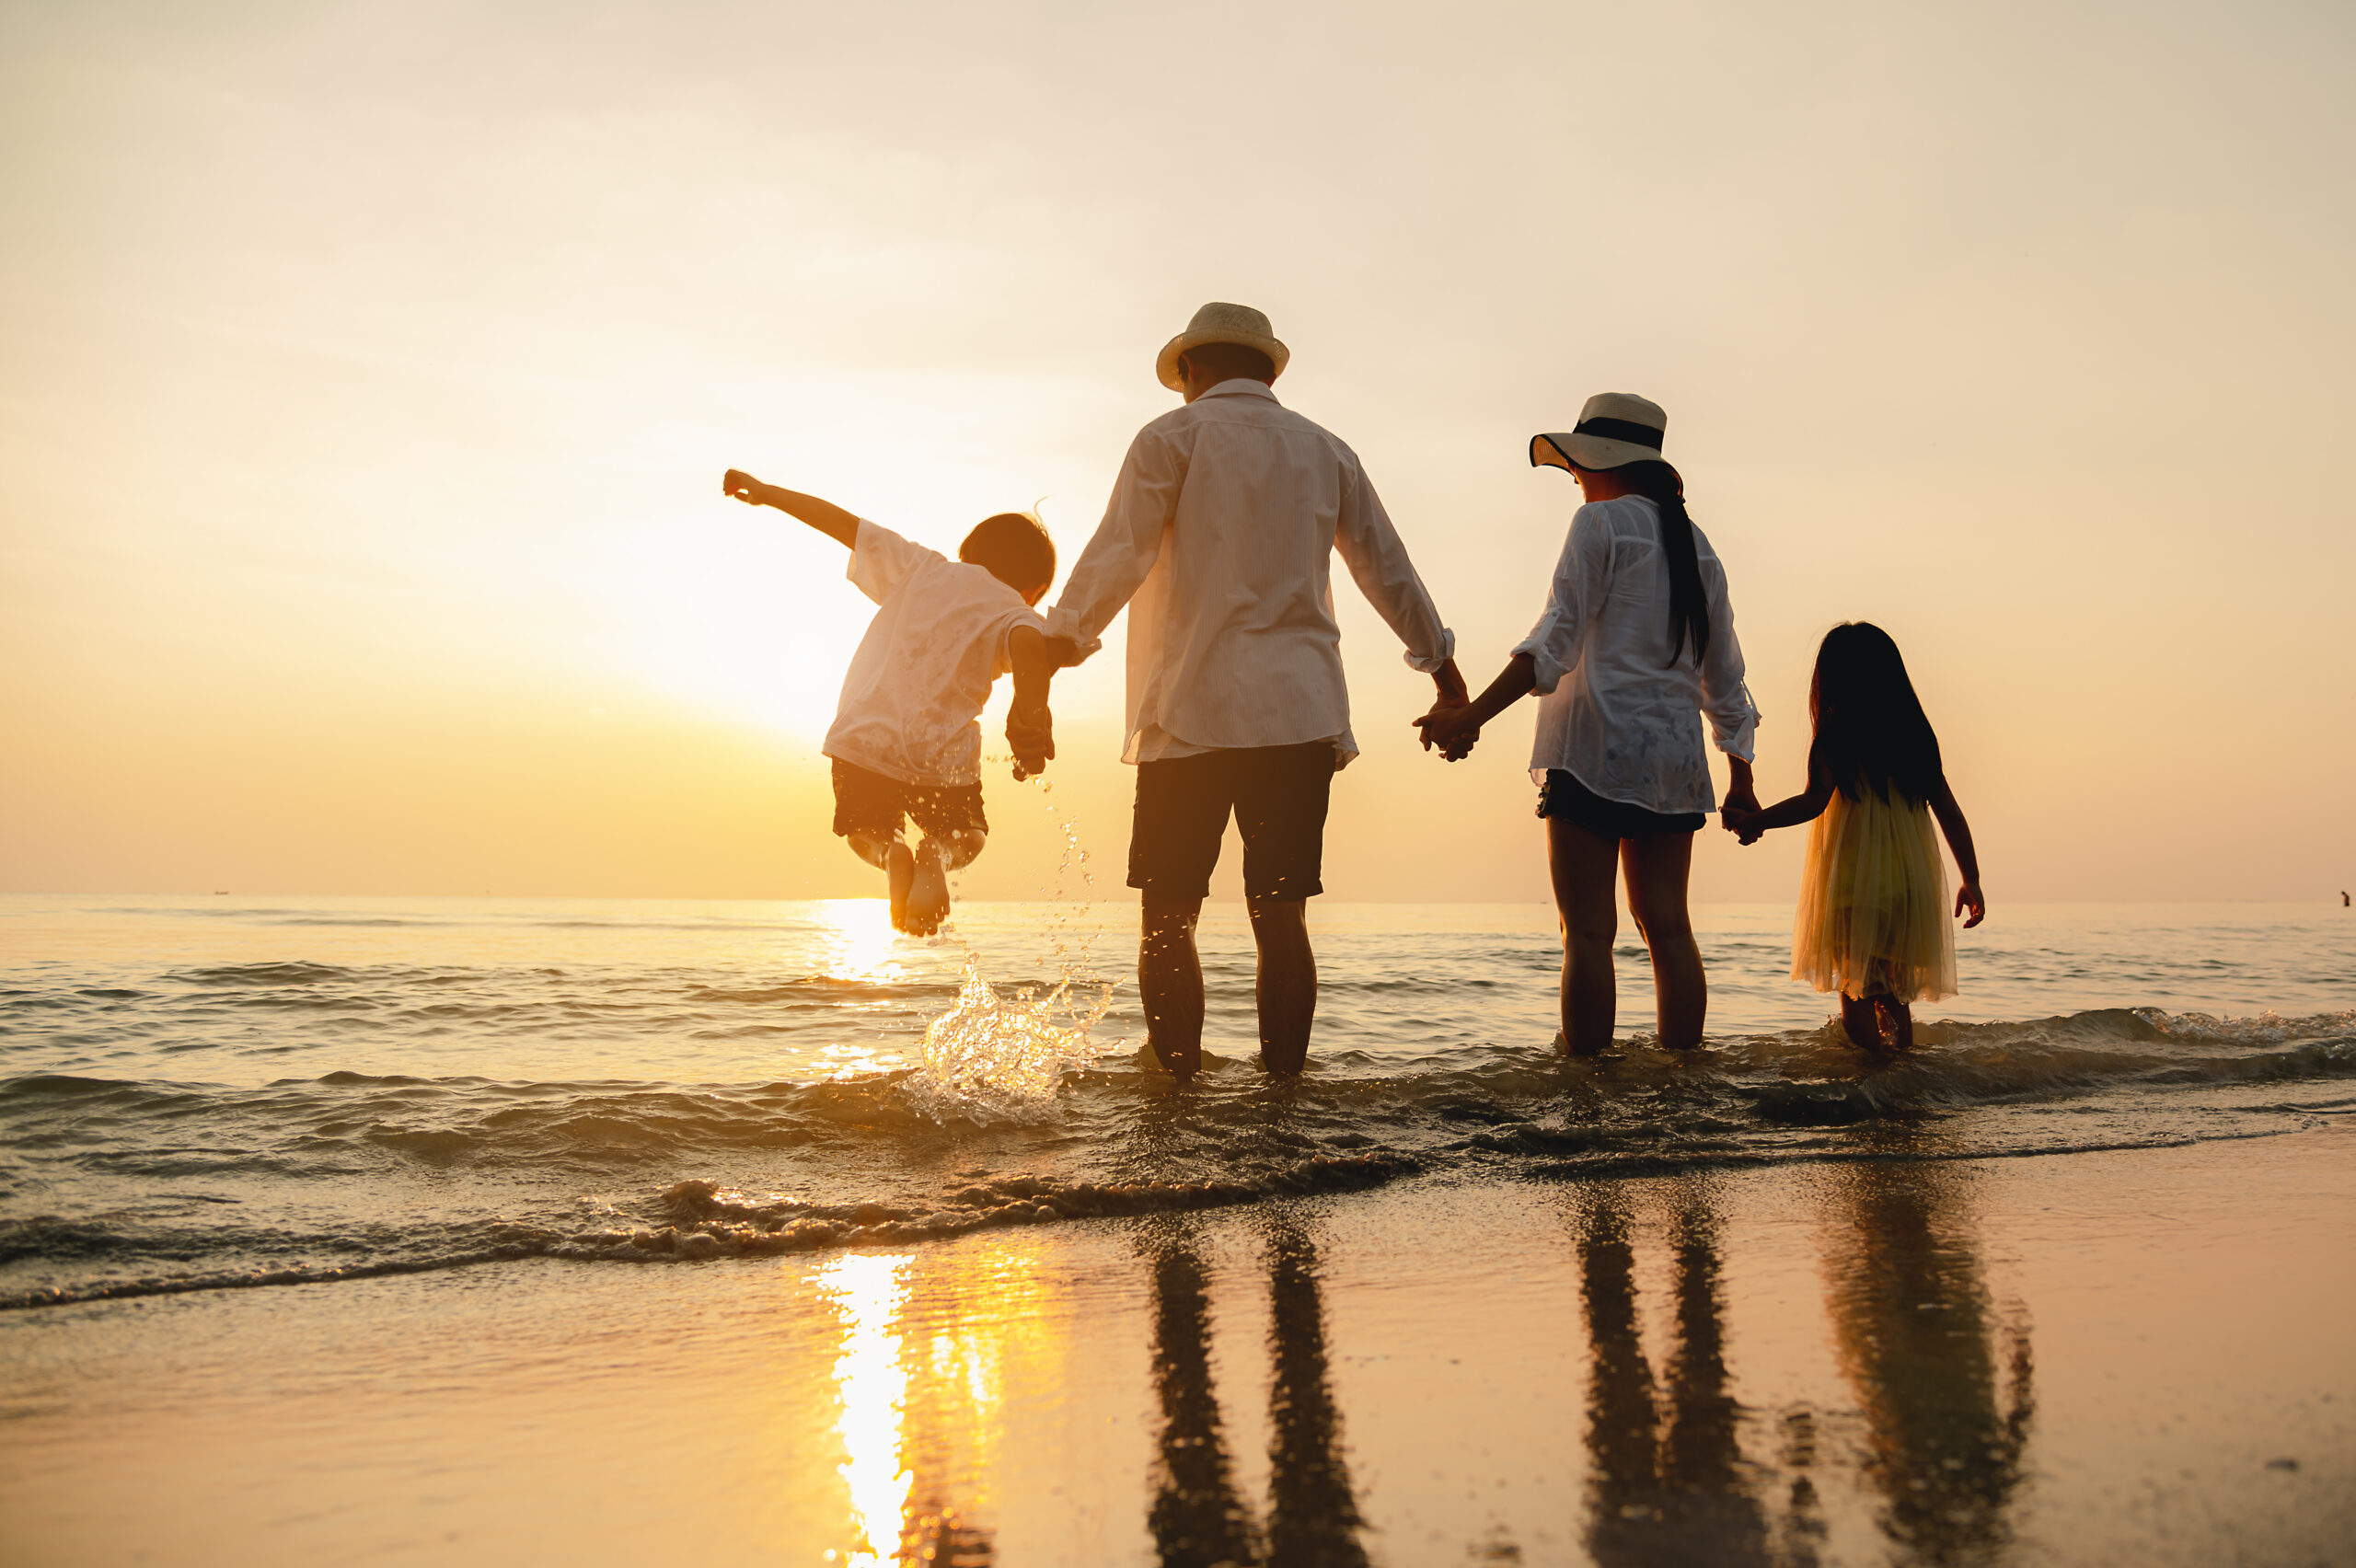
2132 1357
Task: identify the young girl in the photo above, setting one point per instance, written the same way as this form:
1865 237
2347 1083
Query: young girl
1873 914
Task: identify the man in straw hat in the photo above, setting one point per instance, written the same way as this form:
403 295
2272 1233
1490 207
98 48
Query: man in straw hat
1219 538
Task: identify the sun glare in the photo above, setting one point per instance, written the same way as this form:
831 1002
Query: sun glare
859 941
745 611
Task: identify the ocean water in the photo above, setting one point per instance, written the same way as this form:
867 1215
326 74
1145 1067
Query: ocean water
210 1093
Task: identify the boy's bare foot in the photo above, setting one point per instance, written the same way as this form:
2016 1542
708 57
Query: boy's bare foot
927 895
901 866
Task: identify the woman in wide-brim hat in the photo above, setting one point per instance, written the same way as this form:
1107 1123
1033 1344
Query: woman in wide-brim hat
1636 647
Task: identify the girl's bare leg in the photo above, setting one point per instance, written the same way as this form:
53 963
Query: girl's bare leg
1898 1019
1582 866
1862 1021
1659 865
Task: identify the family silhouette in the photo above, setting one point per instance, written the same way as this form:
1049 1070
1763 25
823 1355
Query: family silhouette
1219 540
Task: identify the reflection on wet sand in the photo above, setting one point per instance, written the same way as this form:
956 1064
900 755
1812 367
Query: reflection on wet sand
929 1346
1197 1518
1679 1470
1681 1473
1313 1516
1947 1412
871 1384
1681 1494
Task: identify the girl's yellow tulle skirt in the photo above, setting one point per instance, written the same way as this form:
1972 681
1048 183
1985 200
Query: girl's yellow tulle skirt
1873 914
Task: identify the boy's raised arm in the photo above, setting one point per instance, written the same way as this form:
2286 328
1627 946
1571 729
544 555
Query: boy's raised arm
824 515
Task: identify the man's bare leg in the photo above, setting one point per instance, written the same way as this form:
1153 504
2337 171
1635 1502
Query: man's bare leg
1170 977
1288 984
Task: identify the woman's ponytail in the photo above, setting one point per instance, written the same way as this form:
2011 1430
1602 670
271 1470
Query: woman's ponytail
1689 606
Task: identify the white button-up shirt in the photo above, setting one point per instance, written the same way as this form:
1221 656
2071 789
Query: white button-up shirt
923 671
1617 715
1219 538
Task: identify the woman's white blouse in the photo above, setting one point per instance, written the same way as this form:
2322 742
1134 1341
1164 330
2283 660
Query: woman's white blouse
1615 714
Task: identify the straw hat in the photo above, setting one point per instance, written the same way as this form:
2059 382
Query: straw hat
1217 323
1615 429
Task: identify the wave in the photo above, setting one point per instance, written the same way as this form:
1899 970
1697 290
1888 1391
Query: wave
222 1188
1793 1077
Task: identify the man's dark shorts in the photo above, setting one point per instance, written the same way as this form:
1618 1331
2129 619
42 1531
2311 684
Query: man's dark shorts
867 801
1563 796
1278 795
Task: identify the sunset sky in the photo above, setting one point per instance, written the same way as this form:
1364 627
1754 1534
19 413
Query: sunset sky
370 370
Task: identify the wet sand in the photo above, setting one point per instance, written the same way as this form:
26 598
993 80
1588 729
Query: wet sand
2141 1357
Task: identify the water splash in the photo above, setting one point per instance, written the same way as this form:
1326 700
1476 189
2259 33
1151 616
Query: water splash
1004 1056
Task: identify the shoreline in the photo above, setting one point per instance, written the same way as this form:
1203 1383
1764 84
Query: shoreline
2115 1348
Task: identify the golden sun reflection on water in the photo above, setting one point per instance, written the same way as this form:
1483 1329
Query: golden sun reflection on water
872 1385
857 943
860 943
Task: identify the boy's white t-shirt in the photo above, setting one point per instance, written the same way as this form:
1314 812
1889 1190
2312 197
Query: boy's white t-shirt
912 702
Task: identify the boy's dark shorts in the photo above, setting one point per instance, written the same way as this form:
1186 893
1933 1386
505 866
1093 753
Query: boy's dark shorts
1278 795
1563 796
867 801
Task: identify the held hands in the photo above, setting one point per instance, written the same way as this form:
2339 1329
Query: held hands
1968 897
1031 737
1740 814
1449 727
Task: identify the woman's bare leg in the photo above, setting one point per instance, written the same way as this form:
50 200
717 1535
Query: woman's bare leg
1659 867
1582 866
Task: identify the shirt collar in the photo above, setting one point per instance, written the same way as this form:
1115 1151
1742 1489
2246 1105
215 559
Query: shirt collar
1242 386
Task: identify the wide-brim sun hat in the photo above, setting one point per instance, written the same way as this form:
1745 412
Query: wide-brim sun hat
1615 429
1219 323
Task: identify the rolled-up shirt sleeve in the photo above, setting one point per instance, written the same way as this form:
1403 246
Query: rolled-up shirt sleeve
881 560
1124 546
1371 546
1582 580
1725 694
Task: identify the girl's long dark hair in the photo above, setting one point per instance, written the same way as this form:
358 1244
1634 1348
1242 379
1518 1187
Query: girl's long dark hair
1689 606
1871 731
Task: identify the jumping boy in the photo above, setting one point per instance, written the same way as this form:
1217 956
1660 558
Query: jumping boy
907 740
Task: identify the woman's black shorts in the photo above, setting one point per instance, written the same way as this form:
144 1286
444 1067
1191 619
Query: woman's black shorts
867 801
1279 796
1563 796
